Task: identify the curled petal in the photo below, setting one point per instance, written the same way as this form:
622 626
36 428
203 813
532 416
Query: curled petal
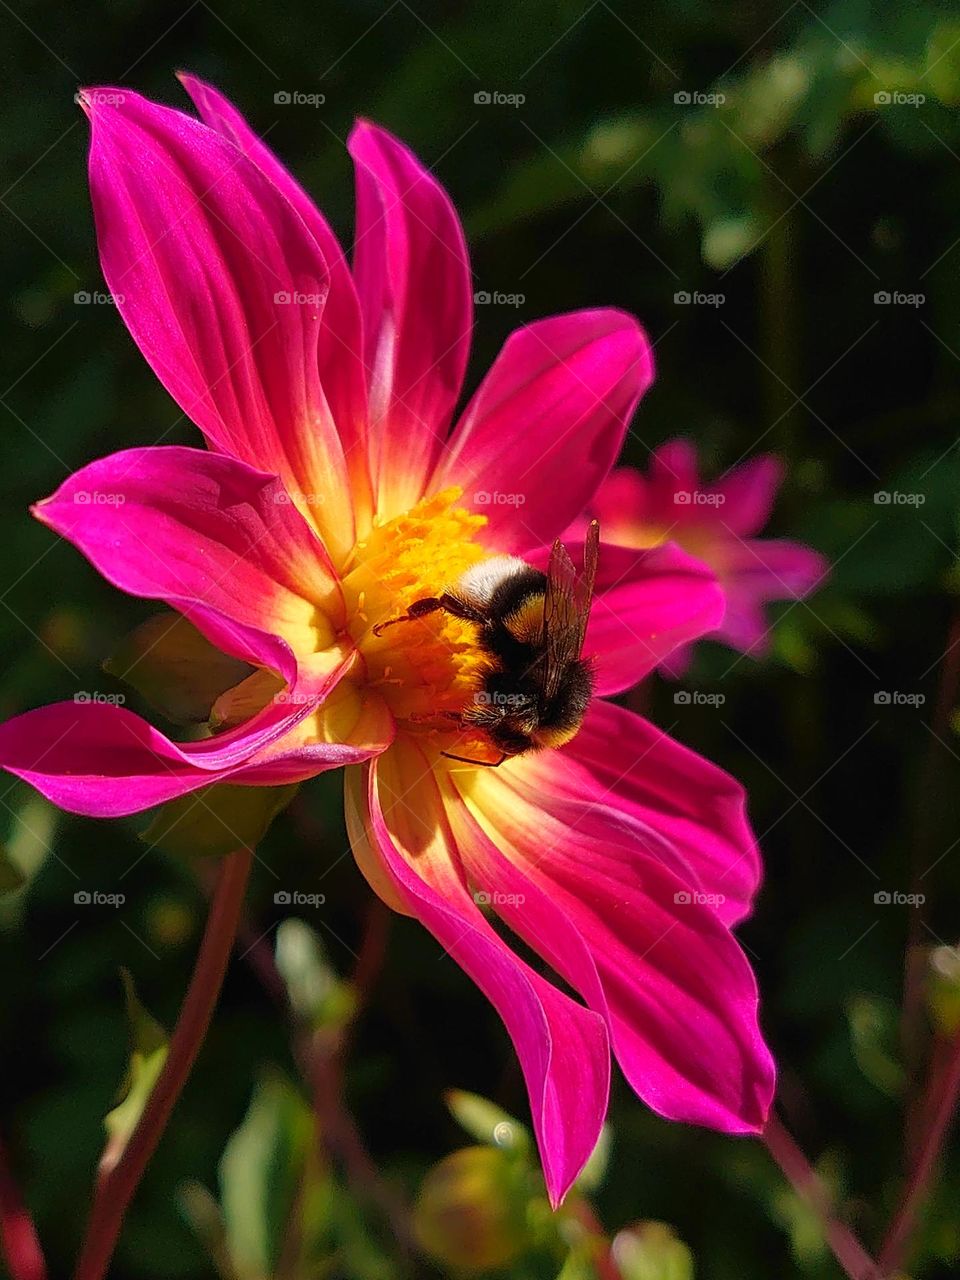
413 279
222 286
340 345
679 993
699 810
212 537
103 761
562 1046
547 423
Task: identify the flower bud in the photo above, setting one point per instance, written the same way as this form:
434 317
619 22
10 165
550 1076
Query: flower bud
471 1212
652 1251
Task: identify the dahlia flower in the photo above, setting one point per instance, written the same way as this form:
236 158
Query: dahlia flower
718 524
332 496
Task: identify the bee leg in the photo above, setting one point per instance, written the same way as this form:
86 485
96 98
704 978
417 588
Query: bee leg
486 764
433 604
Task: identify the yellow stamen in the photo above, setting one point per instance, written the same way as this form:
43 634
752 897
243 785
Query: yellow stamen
427 668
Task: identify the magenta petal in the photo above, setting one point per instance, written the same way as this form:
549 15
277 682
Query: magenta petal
222 287
748 493
340 347
562 1047
679 992
209 535
413 279
646 604
761 570
547 423
699 810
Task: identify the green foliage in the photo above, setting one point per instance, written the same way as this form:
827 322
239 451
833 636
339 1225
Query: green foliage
797 197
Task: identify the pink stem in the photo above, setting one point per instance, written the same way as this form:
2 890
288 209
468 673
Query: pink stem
846 1248
21 1248
943 1091
117 1185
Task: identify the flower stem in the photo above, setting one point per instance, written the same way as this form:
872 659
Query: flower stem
21 1248
116 1186
943 1091
846 1248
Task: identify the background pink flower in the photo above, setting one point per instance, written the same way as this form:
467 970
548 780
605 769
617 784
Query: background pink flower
718 523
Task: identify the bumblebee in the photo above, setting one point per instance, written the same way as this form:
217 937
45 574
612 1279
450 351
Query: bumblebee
531 627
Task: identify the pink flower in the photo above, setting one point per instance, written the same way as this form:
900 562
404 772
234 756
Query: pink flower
333 495
717 523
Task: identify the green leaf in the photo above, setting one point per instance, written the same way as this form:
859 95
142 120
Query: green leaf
148 1053
595 1170
942 71
260 1174
486 1122
314 989
874 1029
217 819
175 668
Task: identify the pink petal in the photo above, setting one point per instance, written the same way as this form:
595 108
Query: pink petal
749 492
760 570
619 759
413 279
222 287
645 605
340 346
546 424
212 537
563 1047
682 1000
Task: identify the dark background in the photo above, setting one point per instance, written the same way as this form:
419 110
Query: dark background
798 200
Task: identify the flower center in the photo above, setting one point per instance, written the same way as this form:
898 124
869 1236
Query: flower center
426 668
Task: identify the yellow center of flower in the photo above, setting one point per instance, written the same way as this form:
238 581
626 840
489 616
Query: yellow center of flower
427 669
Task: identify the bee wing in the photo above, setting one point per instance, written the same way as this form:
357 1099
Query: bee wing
566 608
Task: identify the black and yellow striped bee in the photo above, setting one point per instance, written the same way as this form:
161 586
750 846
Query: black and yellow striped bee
530 626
